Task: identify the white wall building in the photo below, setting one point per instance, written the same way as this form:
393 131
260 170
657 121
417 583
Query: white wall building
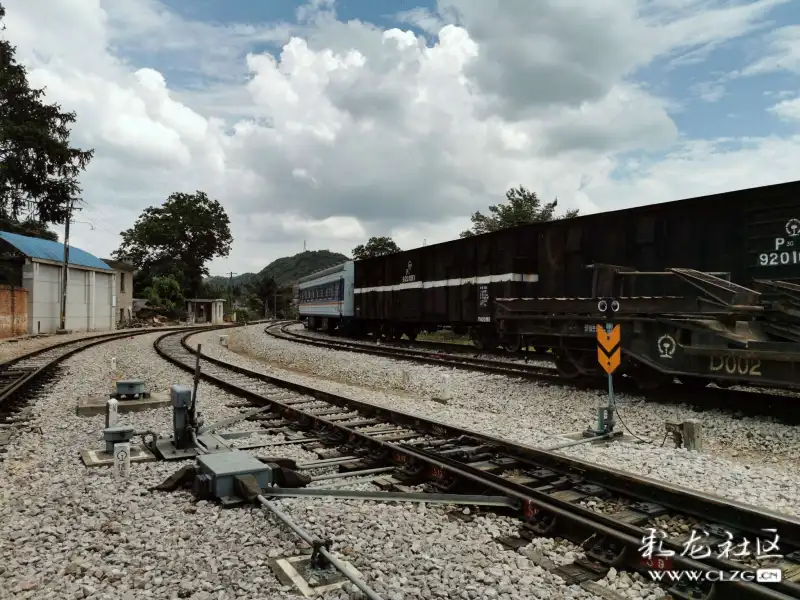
91 285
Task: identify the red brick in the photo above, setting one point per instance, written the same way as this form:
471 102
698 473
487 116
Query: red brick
13 311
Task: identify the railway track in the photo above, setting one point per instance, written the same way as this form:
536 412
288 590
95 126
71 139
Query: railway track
20 375
608 512
459 360
457 348
758 402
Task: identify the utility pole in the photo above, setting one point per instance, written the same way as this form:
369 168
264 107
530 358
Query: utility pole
230 290
304 245
63 319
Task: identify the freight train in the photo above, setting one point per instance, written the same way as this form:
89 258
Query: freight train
706 289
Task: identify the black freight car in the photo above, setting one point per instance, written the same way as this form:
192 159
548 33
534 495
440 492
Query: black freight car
748 234
447 284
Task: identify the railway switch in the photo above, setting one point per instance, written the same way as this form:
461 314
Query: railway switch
216 474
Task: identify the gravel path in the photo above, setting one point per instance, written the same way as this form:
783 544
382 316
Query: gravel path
71 532
750 460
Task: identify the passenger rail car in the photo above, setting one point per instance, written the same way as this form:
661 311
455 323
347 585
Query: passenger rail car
326 297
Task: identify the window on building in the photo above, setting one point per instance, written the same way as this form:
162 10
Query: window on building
122 282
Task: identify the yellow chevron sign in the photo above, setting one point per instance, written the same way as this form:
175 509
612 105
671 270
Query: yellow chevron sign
609 351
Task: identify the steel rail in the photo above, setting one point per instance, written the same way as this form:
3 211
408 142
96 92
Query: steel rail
33 375
752 403
738 516
469 362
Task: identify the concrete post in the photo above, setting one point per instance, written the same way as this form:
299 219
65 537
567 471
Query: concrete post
692 435
112 412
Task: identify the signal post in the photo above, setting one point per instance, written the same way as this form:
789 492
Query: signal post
609 355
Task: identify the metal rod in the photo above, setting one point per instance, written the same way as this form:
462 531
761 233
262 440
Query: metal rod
290 442
197 444
344 482
195 383
225 422
575 443
353 473
329 462
305 536
477 500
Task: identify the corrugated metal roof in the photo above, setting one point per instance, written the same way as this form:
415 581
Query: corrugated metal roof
49 250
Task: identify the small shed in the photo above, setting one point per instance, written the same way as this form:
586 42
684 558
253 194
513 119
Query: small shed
91 284
205 310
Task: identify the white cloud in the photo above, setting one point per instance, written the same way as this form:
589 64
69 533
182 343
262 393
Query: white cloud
783 53
353 131
788 110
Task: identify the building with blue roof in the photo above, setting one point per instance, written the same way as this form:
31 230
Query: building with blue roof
37 265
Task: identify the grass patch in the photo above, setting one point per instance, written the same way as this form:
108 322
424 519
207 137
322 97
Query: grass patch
445 336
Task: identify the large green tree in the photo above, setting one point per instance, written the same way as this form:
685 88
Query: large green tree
39 168
375 246
261 294
523 207
177 239
165 292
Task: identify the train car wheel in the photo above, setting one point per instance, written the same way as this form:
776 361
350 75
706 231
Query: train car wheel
695 383
567 369
648 379
411 334
512 343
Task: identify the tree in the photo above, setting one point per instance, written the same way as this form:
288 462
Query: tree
261 292
38 168
165 292
178 239
29 227
375 246
523 207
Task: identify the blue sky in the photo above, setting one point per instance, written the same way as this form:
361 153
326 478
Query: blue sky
353 131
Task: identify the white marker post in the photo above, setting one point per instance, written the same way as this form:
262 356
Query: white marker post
113 365
112 412
444 391
122 461
445 395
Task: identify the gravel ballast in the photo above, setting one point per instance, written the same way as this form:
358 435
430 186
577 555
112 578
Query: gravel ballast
750 460
71 532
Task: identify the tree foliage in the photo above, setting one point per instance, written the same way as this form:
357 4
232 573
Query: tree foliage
38 168
177 239
30 227
375 246
260 294
165 292
523 207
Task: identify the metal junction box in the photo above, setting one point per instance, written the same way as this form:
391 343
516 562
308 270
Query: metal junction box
131 388
216 473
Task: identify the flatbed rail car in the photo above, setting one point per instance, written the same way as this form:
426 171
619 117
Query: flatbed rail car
724 333
751 234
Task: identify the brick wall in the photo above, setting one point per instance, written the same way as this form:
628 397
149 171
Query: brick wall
13 311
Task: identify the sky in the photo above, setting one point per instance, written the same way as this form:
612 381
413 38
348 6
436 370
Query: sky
323 123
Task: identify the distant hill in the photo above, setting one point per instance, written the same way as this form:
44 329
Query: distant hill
289 269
